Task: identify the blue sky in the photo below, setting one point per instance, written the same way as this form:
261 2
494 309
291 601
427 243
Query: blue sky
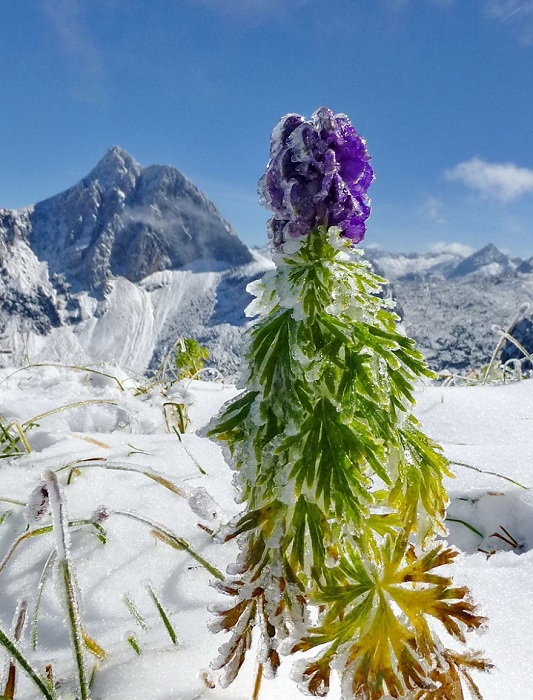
441 89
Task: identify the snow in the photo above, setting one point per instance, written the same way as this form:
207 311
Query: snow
124 434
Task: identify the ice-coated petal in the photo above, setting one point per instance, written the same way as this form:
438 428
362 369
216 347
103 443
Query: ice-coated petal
318 175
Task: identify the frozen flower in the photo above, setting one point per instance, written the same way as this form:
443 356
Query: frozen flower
317 175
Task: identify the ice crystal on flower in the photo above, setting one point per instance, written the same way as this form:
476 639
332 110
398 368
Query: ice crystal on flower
318 175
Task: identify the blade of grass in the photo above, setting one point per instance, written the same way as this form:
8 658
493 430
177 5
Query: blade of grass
27 535
136 450
13 501
486 471
92 441
135 613
511 538
163 615
257 684
11 436
9 690
60 366
93 675
467 525
22 436
66 566
100 533
77 404
102 463
172 540
134 644
521 311
93 646
14 651
517 344
194 460
179 422
40 589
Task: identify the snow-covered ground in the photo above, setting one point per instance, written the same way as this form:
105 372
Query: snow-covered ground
149 483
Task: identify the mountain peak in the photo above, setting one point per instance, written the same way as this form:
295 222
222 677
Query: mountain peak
116 168
489 260
125 220
489 252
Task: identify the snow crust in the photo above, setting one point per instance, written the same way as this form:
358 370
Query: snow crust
135 325
489 428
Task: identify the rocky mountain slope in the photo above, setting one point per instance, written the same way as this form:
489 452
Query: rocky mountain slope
125 220
118 267
129 259
450 302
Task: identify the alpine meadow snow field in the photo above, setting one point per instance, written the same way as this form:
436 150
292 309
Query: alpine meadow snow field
159 499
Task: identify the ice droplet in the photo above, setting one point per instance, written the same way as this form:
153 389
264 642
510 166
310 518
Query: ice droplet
203 504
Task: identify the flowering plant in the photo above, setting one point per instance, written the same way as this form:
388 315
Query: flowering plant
318 174
343 493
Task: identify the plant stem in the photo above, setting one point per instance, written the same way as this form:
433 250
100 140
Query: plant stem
67 572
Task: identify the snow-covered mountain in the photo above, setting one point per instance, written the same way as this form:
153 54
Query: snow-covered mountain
131 258
118 267
450 301
450 263
125 220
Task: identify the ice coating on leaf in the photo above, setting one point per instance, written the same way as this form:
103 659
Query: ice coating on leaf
318 175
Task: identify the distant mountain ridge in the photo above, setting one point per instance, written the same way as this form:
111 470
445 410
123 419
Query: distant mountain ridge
450 301
489 261
120 265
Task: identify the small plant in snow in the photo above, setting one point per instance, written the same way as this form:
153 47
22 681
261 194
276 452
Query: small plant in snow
190 357
343 493
498 370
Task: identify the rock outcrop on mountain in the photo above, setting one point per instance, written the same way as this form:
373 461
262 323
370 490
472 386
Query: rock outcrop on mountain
118 267
123 220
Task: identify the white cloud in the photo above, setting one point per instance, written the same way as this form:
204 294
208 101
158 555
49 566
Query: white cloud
517 14
506 9
503 181
453 248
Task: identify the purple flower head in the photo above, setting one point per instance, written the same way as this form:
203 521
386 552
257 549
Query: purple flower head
317 175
